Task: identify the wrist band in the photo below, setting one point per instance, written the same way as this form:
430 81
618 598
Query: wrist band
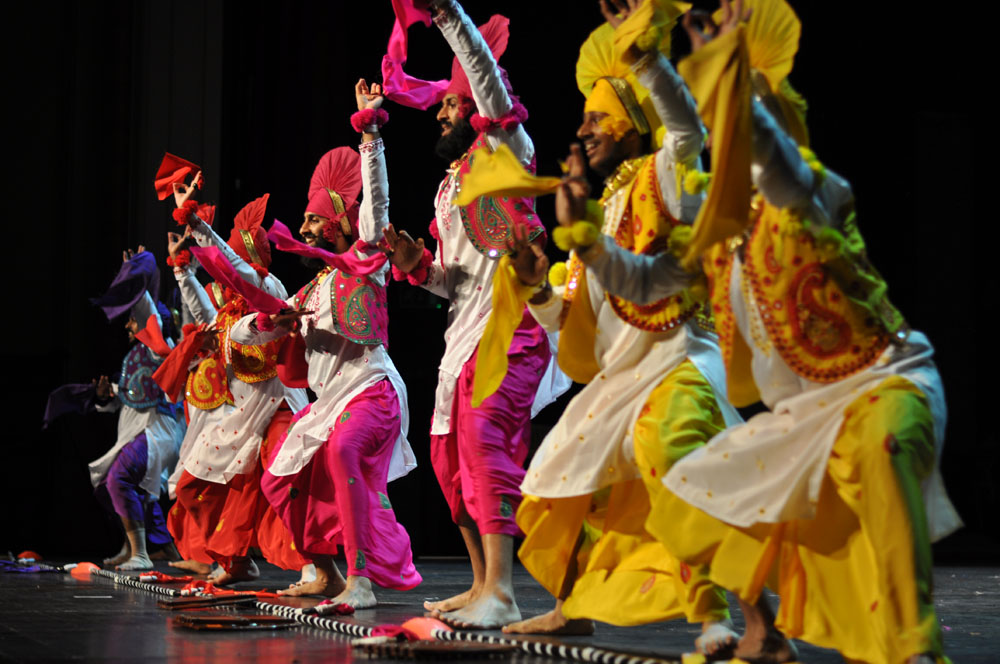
367 118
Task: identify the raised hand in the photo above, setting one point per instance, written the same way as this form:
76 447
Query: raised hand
621 11
175 242
571 197
701 28
103 388
127 254
289 318
530 263
182 191
368 97
404 252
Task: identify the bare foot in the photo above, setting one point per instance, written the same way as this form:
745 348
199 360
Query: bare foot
192 566
491 610
121 556
307 573
324 584
452 603
136 564
717 640
553 622
241 569
358 593
771 648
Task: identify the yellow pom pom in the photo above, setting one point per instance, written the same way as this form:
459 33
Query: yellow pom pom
696 182
680 237
563 237
558 273
698 291
614 126
814 163
585 233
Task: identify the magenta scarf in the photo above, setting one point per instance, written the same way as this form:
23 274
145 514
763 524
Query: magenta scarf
217 265
399 86
347 262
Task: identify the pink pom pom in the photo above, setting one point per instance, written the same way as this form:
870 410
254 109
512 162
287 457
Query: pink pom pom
368 117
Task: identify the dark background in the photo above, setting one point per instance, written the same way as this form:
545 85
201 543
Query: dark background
256 92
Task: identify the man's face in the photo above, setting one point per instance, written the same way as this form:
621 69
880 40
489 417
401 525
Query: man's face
450 112
312 229
131 327
603 152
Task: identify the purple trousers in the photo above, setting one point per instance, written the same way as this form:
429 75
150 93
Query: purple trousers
119 491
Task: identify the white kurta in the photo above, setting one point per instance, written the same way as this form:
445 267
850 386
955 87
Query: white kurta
340 369
460 272
164 432
227 443
770 469
591 445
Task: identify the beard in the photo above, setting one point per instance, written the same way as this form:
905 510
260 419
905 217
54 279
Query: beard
453 145
317 264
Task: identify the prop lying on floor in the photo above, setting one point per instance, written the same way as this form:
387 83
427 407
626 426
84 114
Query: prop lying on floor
229 623
441 632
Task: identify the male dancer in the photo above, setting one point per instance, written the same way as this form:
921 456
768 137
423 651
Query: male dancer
834 493
329 474
477 453
220 486
655 383
130 475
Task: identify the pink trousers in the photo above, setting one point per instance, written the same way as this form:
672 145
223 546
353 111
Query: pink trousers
479 464
339 498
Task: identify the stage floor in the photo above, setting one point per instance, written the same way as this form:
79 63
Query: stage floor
53 617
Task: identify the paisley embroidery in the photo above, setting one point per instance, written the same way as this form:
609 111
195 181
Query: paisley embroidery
644 227
821 331
136 387
488 221
360 310
207 386
251 364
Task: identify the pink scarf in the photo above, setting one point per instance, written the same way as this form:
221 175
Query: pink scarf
347 262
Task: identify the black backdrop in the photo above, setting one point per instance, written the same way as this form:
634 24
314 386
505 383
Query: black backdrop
255 92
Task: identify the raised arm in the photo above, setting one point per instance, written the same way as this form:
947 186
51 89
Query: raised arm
684 139
485 79
193 295
782 174
373 216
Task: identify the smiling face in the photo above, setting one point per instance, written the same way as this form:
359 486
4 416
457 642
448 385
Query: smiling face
312 229
132 327
603 152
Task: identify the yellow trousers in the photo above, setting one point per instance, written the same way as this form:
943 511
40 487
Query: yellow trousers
626 576
858 576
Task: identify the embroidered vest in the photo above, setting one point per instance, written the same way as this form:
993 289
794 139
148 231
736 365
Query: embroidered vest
644 227
251 364
358 305
823 305
489 221
136 387
207 386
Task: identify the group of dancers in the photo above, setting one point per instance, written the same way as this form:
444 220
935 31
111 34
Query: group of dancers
685 294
